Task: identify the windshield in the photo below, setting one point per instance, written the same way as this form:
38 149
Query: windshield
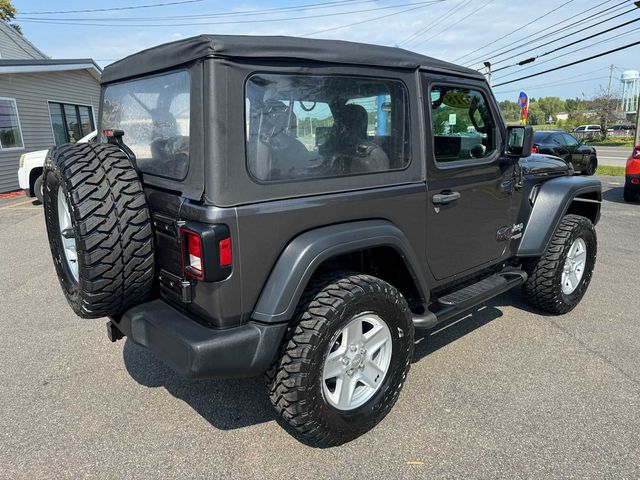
154 113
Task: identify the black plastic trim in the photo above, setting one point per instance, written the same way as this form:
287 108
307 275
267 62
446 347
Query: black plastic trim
551 204
305 253
196 351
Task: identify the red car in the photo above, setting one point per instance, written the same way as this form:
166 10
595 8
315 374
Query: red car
632 175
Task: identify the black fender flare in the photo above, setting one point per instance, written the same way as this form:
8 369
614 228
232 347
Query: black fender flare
302 256
551 203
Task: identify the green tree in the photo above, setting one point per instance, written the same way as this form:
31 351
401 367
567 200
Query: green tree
573 105
604 105
536 115
7 13
550 106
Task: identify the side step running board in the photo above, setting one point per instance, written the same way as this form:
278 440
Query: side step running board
468 297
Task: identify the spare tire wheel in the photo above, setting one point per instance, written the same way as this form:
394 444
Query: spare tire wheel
99 228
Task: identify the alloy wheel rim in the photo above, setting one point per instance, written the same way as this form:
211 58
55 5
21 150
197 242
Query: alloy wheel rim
66 234
357 362
574 266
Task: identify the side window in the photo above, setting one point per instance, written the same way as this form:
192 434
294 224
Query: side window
313 126
462 124
569 140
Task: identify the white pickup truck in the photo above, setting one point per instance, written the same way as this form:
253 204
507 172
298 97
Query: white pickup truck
30 169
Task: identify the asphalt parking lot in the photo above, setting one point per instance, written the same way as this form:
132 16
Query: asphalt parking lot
504 392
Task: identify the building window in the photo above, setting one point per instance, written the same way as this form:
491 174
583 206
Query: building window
70 122
10 132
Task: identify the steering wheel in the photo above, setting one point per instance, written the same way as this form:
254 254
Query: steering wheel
309 108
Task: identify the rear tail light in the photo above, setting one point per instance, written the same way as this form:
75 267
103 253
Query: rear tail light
206 251
636 152
225 257
534 149
192 245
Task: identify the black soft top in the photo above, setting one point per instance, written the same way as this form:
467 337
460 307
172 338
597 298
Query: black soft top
257 47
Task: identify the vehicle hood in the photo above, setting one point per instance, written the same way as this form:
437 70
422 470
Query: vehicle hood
539 165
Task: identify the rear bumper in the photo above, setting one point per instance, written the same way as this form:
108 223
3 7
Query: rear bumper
195 351
632 186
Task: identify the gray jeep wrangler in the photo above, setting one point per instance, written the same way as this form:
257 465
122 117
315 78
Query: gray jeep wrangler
299 207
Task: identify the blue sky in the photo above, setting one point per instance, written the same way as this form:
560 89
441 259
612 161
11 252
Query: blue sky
447 29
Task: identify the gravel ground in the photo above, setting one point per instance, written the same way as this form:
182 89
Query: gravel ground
503 392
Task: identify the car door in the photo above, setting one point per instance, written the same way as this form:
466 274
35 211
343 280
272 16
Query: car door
470 211
560 147
577 156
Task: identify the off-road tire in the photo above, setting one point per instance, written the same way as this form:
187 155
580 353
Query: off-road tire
294 380
592 165
111 225
37 189
543 288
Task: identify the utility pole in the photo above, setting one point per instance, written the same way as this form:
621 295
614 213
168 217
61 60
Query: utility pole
611 67
488 65
638 122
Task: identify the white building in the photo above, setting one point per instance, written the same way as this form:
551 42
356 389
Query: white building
630 90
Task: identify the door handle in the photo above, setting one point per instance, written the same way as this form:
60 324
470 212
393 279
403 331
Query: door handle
445 197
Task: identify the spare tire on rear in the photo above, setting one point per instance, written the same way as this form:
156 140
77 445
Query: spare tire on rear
99 228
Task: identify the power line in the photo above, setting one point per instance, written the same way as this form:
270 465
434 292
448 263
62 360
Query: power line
426 4
608 52
134 7
551 84
606 40
558 39
513 31
562 47
453 24
309 6
422 30
499 52
229 22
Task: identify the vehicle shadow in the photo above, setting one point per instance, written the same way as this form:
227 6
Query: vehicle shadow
429 341
613 194
229 404
226 404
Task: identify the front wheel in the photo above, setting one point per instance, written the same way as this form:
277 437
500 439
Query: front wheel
559 279
344 360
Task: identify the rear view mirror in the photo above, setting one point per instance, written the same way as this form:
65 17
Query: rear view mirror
519 141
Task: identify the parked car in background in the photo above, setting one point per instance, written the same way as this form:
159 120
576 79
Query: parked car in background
588 128
632 177
624 131
30 169
582 157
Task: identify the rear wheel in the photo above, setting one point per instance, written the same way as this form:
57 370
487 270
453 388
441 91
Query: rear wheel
591 167
99 228
559 279
37 189
344 360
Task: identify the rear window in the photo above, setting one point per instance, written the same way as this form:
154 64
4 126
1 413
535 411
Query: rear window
154 113
319 126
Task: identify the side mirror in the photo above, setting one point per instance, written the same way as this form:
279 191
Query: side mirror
519 141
